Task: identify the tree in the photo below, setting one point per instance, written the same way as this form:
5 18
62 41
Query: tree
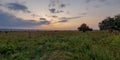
110 23
84 28
117 22
107 23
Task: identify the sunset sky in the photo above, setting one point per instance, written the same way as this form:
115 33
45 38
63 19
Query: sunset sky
55 14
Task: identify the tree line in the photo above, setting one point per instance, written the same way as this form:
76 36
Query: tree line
109 23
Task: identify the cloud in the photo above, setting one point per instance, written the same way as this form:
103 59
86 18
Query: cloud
65 19
7 20
85 13
17 7
35 15
57 3
56 6
44 21
53 10
0 4
54 16
53 3
100 3
88 1
62 5
97 6
59 11
75 17
102 0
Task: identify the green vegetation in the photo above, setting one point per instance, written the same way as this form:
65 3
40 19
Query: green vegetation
59 46
110 23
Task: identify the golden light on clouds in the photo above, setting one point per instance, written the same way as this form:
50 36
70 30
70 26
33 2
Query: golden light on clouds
58 26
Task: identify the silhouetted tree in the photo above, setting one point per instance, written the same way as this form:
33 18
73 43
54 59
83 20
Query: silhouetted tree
117 22
84 28
110 23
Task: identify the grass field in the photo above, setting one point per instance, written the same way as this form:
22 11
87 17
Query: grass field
59 46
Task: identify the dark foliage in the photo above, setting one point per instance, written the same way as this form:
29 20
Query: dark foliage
6 32
110 23
84 28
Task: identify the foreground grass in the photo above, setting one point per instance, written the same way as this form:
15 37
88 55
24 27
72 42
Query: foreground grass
59 46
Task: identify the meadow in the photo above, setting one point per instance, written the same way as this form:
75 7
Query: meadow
61 45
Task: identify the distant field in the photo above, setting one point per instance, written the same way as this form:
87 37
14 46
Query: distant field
59 46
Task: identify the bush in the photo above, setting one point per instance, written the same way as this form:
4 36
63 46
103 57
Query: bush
84 28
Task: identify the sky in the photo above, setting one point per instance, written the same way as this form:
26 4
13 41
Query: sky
55 14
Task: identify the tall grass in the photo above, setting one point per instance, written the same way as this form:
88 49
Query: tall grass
74 45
